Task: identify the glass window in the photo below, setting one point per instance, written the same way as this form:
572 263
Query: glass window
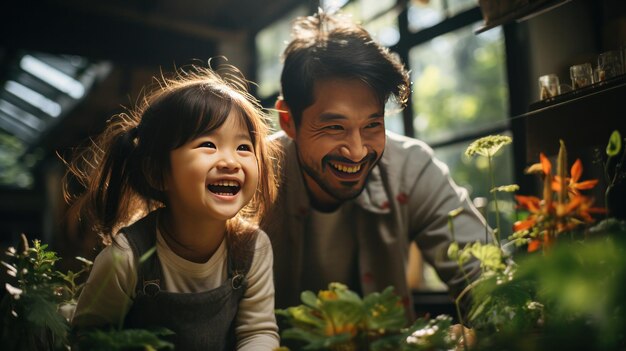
384 29
393 117
366 10
426 13
270 43
459 84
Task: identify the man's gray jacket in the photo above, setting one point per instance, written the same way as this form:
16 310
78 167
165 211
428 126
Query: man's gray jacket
407 197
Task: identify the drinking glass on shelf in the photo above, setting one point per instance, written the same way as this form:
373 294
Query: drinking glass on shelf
609 65
581 75
549 86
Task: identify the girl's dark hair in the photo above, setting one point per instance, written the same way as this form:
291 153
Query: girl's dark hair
124 168
332 46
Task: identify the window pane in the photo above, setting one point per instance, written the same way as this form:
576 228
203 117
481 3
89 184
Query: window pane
457 6
365 10
426 13
384 29
459 84
473 174
393 117
270 43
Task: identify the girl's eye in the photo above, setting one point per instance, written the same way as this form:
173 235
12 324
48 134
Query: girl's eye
208 144
373 125
244 147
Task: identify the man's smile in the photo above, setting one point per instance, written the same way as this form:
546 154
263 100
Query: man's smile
346 169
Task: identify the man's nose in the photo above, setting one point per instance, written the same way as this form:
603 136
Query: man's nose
354 149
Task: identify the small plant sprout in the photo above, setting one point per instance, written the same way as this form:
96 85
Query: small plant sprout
614 149
488 147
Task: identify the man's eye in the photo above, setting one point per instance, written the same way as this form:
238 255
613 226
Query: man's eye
207 144
373 125
244 147
334 127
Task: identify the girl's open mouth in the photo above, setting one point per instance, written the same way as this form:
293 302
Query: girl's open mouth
224 187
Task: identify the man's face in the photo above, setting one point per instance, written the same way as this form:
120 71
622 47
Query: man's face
340 139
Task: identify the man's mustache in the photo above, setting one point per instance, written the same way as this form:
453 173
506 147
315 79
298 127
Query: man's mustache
372 156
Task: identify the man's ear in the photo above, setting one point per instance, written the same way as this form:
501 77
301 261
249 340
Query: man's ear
285 118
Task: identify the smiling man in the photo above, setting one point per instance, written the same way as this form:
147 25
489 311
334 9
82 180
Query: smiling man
353 196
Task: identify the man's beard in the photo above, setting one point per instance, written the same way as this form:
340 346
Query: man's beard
370 160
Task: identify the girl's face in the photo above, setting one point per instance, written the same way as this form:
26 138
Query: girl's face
214 175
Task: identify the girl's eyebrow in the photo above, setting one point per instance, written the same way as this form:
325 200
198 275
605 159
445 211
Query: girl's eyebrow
242 136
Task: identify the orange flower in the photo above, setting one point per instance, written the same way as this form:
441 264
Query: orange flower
549 216
532 204
572 183
534 245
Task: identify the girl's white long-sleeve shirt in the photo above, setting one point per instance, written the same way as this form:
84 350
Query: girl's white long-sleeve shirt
110 288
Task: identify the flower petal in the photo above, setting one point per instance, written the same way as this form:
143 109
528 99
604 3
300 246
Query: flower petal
545 162
577 170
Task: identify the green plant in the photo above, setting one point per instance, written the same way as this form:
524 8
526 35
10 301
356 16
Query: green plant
40 302
615 175
29 309
124 339
338 319
570 295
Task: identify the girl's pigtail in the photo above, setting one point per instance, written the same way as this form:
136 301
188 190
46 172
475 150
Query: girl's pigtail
112 193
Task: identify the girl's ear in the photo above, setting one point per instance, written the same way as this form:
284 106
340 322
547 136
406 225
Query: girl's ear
285 118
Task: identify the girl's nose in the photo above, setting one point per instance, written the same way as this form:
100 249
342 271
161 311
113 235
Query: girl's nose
228 163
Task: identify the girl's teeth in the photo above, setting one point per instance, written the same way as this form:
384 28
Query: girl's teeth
226 183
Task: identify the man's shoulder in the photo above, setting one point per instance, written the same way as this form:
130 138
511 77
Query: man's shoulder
400 148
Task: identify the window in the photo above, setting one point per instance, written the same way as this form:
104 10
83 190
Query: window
39 91
459 84
270 43
459 94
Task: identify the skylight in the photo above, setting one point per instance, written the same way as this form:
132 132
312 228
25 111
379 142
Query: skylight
52 76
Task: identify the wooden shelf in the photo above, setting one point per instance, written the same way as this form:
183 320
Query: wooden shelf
533 8
583 119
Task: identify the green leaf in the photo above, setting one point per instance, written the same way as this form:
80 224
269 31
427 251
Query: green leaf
384 311
506 188
455 212
309 298
614 146
315 341
305 316
453 250
489 255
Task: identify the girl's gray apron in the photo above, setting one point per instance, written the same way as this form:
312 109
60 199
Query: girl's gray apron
200 321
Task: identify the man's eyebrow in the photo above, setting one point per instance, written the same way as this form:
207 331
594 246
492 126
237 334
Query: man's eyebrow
329 116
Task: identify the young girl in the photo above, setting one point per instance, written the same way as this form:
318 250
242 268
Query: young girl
193 157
